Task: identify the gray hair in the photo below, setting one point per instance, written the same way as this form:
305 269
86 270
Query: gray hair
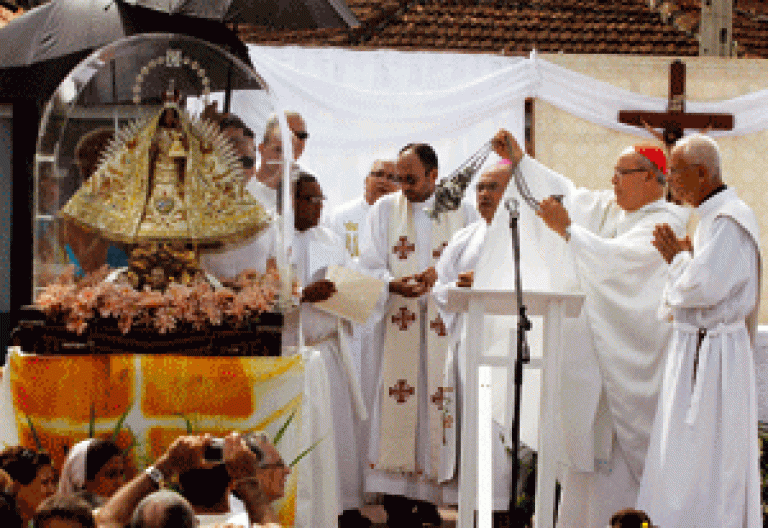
273 123
698 149
170 510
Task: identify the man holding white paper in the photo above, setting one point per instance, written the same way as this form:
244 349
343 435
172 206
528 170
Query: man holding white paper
316 249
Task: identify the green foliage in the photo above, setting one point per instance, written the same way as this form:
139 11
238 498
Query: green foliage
305 453
281 431
38 445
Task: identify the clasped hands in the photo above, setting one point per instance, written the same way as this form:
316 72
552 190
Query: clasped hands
412 286
667 243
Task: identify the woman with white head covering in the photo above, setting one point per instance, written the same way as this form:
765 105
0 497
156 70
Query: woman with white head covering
93 465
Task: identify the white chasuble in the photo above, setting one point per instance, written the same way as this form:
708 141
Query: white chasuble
702 466
406 320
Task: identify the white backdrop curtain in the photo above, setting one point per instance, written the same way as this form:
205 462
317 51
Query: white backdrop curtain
364 105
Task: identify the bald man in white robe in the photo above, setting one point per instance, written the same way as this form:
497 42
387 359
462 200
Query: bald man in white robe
702 465
612 372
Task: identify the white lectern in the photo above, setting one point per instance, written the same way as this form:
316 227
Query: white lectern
554 307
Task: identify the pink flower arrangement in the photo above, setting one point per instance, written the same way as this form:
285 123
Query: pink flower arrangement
78 303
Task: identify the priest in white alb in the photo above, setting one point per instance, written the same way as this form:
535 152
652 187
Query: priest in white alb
348 219
612 369
462 260
401 245
313 251
702 465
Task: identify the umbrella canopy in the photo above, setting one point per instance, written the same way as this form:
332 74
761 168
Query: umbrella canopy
62 28
279 14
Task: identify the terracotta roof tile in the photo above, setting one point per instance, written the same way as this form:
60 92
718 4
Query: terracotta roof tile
514 27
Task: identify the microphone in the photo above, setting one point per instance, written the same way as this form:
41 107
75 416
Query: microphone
512 206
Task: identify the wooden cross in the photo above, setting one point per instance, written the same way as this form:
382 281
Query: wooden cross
439 250
439 397
676 120
403 248
447 424
404 319
438 326
401 391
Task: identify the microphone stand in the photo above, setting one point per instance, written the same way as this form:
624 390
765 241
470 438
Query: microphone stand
523 352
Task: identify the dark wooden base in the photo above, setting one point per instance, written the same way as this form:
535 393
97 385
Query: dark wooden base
259 337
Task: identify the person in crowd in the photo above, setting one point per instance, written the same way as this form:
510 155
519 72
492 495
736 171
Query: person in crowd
85 248
630 518
702 465
256 481
348 219
314 249
229 260
400 245
611 378
164 509
457 266
33 478
9 514
92 465
64 511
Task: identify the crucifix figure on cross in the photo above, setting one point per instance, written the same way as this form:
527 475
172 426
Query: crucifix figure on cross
675 120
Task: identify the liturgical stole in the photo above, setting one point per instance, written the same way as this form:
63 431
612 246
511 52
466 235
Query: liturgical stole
405 321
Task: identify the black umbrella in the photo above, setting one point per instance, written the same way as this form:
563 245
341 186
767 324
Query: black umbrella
278 14
62 28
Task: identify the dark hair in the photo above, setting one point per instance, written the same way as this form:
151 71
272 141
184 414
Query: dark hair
303 177
9 514
204 486
232 121
98 454
426 154
630 518
22 464
67 507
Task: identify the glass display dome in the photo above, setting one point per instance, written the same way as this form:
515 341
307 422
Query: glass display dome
112 94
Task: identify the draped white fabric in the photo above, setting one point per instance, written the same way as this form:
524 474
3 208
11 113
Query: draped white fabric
361 105
364 105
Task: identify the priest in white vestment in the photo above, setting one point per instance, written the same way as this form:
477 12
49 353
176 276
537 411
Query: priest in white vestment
266 181
348 221
401 245
702 465
457 267
227 261
612 371
313 250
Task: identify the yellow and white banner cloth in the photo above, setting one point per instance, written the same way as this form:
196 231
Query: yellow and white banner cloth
58 400
411 324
